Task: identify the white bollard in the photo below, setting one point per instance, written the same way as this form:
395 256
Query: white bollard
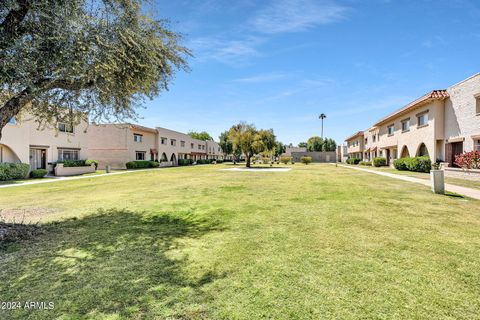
437 178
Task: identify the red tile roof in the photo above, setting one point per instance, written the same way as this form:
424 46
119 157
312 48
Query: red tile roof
429 97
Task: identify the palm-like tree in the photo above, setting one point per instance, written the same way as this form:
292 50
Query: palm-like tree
322 116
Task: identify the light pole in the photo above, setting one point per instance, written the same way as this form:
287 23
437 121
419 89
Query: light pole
322 116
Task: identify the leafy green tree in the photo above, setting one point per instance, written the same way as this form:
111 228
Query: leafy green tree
329 145
315 143
225 143
205 136
83 58
280 149
303 145
250 141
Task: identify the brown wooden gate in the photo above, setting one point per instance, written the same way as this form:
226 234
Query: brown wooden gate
452 150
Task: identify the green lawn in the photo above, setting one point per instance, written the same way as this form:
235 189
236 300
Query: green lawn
317 242
422 175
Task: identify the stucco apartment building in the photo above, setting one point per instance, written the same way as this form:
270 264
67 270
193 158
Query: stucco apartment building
441 124
117 144
23 141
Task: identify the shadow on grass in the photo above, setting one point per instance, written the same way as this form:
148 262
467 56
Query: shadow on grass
454 195
114 263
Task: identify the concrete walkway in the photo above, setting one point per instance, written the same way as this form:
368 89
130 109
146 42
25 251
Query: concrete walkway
58 179
468 192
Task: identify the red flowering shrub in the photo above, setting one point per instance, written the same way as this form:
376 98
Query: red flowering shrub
468 160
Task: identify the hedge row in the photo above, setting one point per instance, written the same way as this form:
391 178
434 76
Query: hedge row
144 164
353 160
12 171
365 163
418 164
38 174
379 162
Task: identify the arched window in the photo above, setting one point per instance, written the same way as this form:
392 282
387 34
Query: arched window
405 153
422 150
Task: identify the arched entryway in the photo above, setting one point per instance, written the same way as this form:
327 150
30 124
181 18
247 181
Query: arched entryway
164 157
173 159
422 150
8 155
405 153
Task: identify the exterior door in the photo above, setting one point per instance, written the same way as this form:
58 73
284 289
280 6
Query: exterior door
452 150
38 159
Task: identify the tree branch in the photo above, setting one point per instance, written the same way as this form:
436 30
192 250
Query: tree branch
11 25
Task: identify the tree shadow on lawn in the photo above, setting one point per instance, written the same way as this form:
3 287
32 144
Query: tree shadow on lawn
112 263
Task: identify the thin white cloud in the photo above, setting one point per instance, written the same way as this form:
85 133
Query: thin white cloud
297 15
260 78
434 42
227 51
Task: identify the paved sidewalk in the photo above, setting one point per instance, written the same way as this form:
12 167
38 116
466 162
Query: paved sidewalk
58 179
468 192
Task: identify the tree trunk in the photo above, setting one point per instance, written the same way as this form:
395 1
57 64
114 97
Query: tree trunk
12 107
248 161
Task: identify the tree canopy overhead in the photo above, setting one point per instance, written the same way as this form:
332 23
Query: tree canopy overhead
205 136
98 57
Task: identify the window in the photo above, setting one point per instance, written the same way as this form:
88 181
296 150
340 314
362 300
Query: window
203 147
12 120
192 145
406 125
140 155
63 127
182 144
378 136
67 154
173 142
477 99
391 130
366 140
163 140
374 137
199 147
137 137
477 144
422 119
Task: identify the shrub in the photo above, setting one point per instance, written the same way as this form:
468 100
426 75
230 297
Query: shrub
38 174
468 160
285 160
143 164
306 160
365 163
12 171
73 163
219 161
379 162
353 160
266 160
419 164
90 162
185 162
400 164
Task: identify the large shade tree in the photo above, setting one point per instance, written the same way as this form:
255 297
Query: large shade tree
205 136
250 141
80 58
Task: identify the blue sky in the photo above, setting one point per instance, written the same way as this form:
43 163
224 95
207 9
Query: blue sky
279 64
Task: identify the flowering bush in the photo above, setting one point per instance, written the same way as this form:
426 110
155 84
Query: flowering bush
468 160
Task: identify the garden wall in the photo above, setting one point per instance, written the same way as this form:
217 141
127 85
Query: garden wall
62 171
325 157
468 174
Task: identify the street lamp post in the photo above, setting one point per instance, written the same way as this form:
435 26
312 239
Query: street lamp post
322 116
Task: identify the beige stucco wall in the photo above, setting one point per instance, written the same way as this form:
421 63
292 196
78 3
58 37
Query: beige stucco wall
357 150
18 138
417 135
461 119
178 150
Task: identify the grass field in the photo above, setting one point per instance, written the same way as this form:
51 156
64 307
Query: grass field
316 242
